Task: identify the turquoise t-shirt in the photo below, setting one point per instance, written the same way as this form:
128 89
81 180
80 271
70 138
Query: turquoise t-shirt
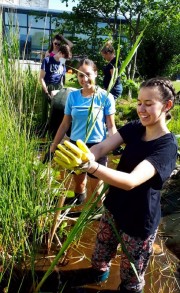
78 107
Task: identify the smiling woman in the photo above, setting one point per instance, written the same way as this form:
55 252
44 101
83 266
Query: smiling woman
132 205
91 111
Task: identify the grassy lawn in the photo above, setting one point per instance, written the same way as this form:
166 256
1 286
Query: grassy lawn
177 85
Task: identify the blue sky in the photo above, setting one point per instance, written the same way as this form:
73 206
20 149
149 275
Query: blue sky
56 4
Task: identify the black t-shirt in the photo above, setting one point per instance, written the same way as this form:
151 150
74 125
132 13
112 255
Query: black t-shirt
117 88
138 211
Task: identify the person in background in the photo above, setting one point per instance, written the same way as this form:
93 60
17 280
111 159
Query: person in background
53 70
56 43
108 53
132 205
77 111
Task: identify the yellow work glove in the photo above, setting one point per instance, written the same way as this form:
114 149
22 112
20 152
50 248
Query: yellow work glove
77 158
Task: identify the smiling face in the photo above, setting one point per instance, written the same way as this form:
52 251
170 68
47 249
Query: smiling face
151 109
86 76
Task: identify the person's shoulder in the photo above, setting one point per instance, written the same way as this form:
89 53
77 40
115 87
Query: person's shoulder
46 59
169 139
75 92
136 123
134 127
102 91
99 90
114 61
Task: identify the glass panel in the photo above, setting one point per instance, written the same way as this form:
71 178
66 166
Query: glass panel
15 18
39 39
22 19
39 42
101 24
11 35
24 43
38 21
82 36
56 22
18 36
9 18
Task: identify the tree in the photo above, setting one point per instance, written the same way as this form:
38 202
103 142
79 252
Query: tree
136 14
160 50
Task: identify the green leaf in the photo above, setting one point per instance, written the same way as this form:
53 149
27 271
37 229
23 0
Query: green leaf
131 53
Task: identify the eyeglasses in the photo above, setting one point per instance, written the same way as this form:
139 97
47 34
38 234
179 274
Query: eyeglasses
57 44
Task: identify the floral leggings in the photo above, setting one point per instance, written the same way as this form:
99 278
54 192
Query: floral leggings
138 250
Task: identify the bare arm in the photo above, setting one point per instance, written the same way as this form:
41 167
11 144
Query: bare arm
68 42
126 181
111 71
41 79
47 53
63 128
111 125
103 148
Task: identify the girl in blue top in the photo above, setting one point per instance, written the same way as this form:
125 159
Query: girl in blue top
76 112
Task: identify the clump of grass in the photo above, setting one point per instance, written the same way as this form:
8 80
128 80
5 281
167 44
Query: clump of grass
27 189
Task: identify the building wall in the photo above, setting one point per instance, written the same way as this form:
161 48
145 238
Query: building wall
35 3
10 2
32 26
27 3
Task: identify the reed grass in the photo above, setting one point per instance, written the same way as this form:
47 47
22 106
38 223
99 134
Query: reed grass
27 189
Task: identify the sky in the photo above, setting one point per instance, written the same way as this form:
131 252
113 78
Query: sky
56 4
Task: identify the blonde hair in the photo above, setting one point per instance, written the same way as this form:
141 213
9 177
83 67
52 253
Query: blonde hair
108 48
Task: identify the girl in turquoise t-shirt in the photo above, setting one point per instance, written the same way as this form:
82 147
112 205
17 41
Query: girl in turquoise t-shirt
77 112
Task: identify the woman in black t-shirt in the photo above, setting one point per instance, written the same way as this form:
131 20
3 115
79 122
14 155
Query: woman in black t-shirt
132 205
108 53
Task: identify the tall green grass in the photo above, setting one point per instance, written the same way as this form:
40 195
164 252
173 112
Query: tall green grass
27 189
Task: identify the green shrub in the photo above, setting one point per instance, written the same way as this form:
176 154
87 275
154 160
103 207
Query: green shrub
125 111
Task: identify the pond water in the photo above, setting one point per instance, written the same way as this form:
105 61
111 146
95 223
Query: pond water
160 276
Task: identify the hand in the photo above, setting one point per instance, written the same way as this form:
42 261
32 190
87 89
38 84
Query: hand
54 92
48 157
62 38
73 157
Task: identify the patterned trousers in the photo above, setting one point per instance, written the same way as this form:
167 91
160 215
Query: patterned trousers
133 248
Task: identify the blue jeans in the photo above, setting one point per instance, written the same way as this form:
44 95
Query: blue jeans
117 91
